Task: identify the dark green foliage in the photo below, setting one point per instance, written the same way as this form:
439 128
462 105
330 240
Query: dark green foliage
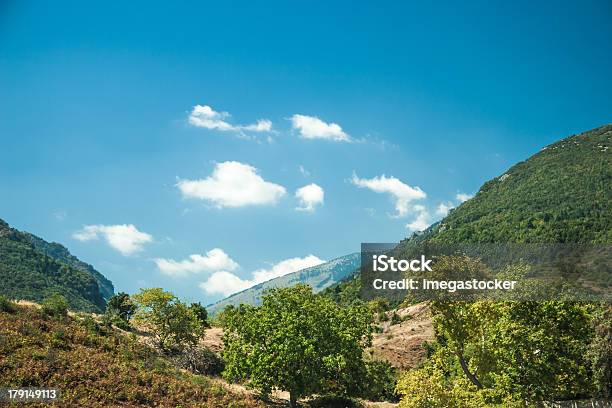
561 194
200 313
298 342
27 273
6 305
121 306
380 381
600 352
55 306
60 253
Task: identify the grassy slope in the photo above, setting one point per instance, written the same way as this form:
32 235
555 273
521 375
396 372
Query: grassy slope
98 367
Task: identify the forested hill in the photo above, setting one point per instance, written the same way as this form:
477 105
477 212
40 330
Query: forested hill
61 253
28 272
562 194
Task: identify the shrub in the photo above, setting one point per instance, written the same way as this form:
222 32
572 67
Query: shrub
380 381
6 305
201 360
55 306
121 305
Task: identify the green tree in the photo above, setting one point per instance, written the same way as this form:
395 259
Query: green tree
200 313
298 342
172 323
122 306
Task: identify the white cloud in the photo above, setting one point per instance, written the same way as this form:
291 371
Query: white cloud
233 184
262 125
214 260
309 196
444 208
462 197
311 127
124 238
422 220
227 283
402 193
206 117
224 283
303 171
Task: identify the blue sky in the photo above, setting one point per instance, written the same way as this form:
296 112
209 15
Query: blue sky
98 151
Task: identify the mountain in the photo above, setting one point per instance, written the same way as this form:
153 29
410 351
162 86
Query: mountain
33 269
318 277
60 253
562 194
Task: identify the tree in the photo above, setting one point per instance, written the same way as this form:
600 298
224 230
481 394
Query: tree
298 342
200 313
173 324
121 305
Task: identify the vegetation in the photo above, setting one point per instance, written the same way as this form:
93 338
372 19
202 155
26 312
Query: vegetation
27 273
96 366
61 254
55 306
173 324
298 342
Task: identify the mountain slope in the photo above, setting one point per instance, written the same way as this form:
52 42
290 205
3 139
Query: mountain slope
60 253
562 194
26 272
94 365
318 277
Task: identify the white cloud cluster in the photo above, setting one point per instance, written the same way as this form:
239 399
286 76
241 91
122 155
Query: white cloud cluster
422 220
444 208
402 193
423 217
462 197
227 283
206 117
214 260
124 238
233 184
309 197
311 127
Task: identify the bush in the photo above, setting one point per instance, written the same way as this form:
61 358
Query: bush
201 360
6 305
122 306
380 381
55 306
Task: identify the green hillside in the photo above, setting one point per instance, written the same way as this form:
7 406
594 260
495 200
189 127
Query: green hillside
27 272
562 194
60 253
